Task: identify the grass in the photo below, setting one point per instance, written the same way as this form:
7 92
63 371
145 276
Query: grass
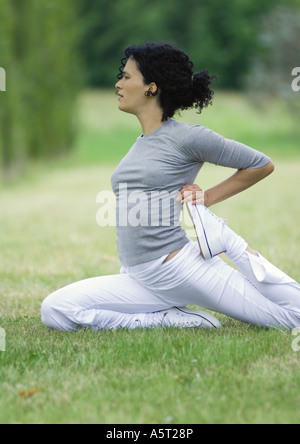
238 375
109 134
49 238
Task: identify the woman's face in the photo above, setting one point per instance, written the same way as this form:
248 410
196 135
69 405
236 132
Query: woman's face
131 89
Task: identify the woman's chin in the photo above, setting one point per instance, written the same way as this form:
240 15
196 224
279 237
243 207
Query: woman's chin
124 109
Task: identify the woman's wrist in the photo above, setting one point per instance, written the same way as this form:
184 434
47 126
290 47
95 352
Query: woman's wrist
207 202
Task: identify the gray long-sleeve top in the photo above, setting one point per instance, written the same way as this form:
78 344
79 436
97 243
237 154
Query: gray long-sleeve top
147 181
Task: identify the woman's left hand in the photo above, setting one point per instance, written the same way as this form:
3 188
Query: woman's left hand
191 193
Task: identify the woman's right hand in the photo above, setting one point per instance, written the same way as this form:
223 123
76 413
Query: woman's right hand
191 193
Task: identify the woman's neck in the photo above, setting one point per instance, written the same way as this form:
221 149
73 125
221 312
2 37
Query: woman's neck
151 120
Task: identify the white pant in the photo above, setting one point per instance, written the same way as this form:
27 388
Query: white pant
261 295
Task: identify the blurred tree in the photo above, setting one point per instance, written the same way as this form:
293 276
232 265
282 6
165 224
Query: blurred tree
223 38
38 49
272 66
220 36
110 26
10 107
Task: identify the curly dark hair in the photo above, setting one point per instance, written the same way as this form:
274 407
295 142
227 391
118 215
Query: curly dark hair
172 71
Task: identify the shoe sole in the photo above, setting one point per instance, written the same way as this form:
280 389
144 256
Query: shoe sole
200 231
211 320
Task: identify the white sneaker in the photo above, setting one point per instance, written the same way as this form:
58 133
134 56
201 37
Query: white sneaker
185 317
209 230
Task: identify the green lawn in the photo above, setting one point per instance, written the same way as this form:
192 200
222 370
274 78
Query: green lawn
106 134
49 238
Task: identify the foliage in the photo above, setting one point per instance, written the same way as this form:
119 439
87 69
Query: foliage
36 47
220 36
272 66
51 49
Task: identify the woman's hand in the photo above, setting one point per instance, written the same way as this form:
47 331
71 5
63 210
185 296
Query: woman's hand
191 193
240 181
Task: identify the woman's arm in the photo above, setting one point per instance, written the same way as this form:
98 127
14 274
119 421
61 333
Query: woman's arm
240 181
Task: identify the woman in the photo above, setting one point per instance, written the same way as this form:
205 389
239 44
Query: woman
162 270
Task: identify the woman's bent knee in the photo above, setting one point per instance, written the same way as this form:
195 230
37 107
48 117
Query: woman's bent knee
48 314
52 317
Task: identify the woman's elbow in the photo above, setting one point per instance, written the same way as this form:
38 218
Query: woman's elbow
270 168
266 170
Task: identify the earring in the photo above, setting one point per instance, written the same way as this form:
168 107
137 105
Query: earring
150 93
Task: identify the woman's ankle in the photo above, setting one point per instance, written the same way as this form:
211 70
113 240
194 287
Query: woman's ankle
252 252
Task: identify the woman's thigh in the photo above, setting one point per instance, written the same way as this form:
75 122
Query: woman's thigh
220 288
189 280
119 293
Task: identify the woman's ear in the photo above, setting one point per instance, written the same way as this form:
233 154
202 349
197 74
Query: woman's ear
152 90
